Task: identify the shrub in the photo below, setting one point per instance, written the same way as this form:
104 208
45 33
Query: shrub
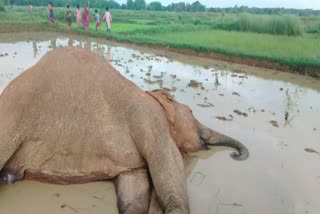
313 28
2 6
275 24
196 22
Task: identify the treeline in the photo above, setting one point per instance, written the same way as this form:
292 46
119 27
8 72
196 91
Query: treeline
130 5
175 7
63 3
254 10
1 5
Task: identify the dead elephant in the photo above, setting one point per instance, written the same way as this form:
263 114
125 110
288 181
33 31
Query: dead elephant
65 121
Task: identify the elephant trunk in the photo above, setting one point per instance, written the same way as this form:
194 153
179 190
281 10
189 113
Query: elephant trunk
213 138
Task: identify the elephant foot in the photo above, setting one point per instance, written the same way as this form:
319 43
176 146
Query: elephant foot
9 178
133 191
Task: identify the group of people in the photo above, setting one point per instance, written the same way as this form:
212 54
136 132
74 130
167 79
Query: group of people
85 19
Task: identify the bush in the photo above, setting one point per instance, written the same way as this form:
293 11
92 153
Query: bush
196 22
275 24
2 6
313 27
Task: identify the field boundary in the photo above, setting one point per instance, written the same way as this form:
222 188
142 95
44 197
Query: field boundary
313 71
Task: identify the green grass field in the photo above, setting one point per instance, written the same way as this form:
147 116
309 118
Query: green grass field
306 48
289 40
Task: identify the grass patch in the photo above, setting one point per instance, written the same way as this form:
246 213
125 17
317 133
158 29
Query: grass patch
297 52
276 24
282 46
276 38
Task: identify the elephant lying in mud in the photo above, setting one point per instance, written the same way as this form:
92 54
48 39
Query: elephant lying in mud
72 118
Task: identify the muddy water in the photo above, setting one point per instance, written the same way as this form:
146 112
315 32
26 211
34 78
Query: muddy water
276 115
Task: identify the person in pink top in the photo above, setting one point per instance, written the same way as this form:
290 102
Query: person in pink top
107 16
86 18
78 15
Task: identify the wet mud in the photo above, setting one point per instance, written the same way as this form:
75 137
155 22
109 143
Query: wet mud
275 114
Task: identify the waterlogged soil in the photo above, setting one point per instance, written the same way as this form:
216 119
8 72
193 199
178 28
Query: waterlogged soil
275 114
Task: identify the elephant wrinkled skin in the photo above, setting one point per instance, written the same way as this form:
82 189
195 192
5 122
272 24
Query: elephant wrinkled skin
72 118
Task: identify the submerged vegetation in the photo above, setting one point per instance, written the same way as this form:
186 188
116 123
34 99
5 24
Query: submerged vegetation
288 40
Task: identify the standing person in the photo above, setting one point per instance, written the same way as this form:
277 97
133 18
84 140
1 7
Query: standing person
86 18
78 15
107 16
51 14
98 23
30 9
68 14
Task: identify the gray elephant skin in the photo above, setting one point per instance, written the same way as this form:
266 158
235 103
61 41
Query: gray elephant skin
72 118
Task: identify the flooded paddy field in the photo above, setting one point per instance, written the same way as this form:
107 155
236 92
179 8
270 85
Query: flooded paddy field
275 114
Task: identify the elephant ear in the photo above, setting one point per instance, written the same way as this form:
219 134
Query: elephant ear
167 102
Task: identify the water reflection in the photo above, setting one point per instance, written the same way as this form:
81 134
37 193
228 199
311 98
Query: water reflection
70 42
270 181
99 50
53 43
216 81
109 54
87 46
35 49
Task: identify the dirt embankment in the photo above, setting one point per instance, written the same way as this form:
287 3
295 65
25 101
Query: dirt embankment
244 60
309 71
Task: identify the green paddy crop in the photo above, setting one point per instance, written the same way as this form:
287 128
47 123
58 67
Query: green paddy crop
289 40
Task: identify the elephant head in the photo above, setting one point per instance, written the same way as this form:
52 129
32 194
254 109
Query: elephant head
188 133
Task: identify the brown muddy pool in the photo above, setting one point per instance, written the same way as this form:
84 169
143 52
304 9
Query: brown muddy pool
275 114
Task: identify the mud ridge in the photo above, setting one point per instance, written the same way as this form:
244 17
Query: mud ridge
311 71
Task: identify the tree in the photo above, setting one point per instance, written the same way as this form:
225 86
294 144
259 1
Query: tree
1 5
155 6
140 4
179 7
243 9
130 5
197 7
112 4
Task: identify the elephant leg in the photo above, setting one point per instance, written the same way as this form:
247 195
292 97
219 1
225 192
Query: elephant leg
10 140
133 191
165 162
